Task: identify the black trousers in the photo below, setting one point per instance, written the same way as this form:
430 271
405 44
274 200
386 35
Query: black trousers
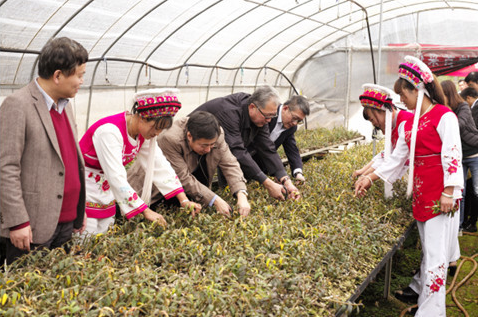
61 236
471 205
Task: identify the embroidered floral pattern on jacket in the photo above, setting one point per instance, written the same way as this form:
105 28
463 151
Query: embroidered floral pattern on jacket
100 180
131 200
454 161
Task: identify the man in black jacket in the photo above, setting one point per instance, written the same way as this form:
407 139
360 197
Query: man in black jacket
470 95
282 130
245 120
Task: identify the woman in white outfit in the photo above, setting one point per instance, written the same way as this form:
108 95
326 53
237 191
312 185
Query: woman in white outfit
431 142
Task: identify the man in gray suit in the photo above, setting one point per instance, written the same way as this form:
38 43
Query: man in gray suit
42 189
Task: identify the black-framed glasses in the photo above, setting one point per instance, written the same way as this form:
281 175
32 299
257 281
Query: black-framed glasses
265 116
295 119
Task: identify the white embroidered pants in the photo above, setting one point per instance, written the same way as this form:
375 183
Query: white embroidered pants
439 239
96 226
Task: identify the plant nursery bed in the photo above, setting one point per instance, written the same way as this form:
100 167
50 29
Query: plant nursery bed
290 258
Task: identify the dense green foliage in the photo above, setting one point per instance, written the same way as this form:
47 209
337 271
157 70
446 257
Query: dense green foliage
311 139
302 258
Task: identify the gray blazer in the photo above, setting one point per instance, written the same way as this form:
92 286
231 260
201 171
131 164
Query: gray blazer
31 169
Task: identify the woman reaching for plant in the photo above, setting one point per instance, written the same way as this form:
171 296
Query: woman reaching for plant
379 109
111 145
436 176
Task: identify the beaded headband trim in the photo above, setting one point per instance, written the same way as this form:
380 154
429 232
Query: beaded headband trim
157 103
376 96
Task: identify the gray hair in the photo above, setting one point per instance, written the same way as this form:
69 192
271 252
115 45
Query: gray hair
264 94
299 102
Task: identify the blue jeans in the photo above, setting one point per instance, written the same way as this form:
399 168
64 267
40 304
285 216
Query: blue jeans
472 165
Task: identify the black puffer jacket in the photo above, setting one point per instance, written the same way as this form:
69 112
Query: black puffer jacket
468 130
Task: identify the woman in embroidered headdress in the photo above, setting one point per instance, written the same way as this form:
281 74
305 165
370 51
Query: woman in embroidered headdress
111 145
382 113
431 141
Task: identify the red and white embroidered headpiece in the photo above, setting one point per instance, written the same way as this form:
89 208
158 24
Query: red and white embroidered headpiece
154 103
376 96
415 71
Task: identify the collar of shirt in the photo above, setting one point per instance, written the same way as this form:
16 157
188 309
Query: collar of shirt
474 103
62 102
279 127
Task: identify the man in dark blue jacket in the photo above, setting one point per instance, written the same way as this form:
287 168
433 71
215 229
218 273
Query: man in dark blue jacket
245 120
282 129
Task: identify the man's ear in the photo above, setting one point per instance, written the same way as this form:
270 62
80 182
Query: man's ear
56 76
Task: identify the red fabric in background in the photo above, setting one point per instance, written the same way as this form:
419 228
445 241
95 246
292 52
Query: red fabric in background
441 59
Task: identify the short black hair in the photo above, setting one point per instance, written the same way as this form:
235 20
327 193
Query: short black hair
203 124
469 91
299 102
62 54
471 77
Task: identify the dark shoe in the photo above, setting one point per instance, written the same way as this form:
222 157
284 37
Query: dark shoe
407 295
470 228
452 270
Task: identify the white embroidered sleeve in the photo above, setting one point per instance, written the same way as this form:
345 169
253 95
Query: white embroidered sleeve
393 167
164 176
451 153
109 144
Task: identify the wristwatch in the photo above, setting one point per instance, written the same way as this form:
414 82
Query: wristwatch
295 174
284 179
243 191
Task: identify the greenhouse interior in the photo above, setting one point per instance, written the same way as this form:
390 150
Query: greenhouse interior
318 243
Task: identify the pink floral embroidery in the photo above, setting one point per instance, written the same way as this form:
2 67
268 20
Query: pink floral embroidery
427 77
131 200
454 162
452 169
437 279
435 287
100 181
105 186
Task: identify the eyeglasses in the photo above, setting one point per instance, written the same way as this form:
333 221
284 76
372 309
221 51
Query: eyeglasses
265 116
299 121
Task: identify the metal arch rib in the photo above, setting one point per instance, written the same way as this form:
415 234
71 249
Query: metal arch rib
277 34
279 51
213 35
244 37
171 34
394 17
107 50
58 31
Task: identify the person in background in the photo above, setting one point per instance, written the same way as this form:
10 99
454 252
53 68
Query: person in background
469 143
195 147
42 188
433 139
472 80
377 101
245 120
470 95
282 129
110 146
462 85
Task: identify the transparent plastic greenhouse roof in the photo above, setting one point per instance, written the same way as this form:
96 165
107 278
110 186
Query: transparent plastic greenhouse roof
189 42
